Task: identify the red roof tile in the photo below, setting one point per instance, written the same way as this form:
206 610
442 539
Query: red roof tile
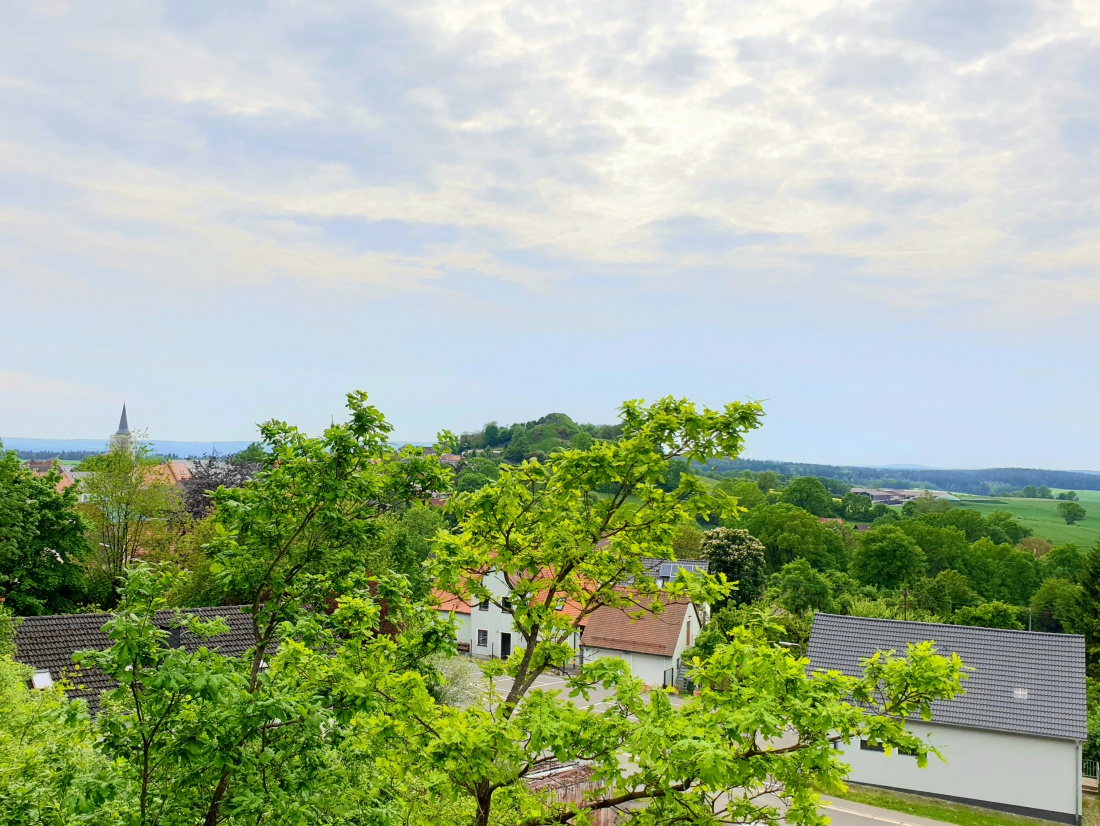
617 629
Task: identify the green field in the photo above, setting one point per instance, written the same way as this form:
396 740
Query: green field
1041 515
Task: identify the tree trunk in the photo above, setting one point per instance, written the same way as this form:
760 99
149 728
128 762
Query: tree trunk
484 799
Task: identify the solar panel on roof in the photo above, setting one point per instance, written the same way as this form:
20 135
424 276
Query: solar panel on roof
670 569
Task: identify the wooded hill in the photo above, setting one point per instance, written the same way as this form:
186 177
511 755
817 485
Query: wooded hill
541 436
990 481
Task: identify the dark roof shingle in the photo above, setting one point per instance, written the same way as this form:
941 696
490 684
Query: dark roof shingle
1024 682
50 642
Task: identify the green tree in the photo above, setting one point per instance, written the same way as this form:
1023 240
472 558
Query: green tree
581 440
1044 492
519 446
42 544
492 434
254 453
1088 607
1004 521
1071 512
808 493
943 594
687 542
1054 606
470 481
1068 496
1029 492
405 544
741 558
925 503
291 538
799 588
51 768
674 470
942 547
883 514
767 480
856 507
129 503
995 614
747 494
1063 562
1001 572
888 558
788 532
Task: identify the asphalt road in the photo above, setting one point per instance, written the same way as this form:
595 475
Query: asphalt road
846 813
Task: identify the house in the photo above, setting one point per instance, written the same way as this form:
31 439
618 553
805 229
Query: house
41 469
47 645
1012 741
652 644
487 629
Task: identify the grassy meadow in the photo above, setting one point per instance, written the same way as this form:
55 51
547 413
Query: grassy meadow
1041 515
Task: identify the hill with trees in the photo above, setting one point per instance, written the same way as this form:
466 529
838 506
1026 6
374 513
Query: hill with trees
987 482
537 438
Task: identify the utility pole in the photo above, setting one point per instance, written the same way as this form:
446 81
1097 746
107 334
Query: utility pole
905 603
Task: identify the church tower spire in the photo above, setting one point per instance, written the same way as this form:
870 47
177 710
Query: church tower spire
122 440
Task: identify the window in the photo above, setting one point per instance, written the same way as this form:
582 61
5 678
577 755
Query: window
866 745
506 605
41 679
482 638
173 638
483 605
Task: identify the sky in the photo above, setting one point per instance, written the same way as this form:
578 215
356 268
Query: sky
879 218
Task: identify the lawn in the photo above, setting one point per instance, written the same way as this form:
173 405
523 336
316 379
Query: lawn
933 809
1041 515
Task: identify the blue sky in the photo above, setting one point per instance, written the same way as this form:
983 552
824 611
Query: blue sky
881 218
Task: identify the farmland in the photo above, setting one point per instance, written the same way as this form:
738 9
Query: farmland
1041 515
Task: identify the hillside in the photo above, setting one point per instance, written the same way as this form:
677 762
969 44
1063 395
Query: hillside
985 482
540 436
1041 516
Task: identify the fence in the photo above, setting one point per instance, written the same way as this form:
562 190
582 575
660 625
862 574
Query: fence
1090 768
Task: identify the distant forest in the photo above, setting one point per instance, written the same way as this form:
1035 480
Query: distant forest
43 455
988 482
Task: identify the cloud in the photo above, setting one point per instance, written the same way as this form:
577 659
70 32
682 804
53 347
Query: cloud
885 162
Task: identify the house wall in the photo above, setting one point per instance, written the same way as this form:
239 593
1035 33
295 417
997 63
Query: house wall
650 668
492 620
461 623
1005 771
689 630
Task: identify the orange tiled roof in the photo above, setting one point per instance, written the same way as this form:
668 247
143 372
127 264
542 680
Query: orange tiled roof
450 602
618 630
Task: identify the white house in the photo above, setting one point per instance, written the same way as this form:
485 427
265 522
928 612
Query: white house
1012 742
652 644
486 629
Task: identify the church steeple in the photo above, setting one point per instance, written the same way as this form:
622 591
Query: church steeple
121 439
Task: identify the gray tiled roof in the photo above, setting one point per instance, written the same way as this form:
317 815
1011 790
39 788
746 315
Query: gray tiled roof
50 642
1027 683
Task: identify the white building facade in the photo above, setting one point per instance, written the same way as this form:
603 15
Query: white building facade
651 644
1011 742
